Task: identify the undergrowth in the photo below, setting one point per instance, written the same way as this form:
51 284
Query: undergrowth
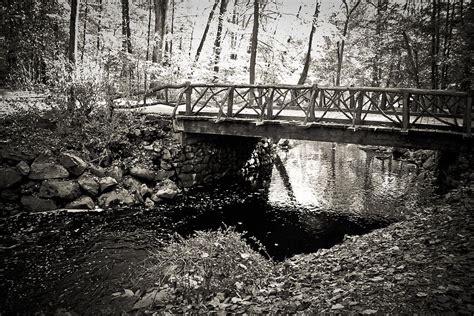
207 265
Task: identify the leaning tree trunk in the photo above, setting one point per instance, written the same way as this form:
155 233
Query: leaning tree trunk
304 73
206 30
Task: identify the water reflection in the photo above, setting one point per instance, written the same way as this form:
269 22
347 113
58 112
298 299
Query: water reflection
342 177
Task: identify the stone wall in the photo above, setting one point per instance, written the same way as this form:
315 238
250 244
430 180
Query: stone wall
160 167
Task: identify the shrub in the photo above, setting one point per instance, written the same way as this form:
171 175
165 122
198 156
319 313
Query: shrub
208 264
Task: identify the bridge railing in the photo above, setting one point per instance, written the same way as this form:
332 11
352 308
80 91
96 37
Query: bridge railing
403 109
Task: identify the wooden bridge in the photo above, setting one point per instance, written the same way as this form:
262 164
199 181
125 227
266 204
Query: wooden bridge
414 118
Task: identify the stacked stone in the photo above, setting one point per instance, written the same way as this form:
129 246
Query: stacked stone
43 182
157 172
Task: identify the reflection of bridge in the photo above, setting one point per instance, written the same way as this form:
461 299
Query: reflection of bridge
433 119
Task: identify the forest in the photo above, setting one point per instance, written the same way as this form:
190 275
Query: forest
111 46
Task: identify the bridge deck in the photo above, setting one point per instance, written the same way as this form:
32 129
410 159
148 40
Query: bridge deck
364 115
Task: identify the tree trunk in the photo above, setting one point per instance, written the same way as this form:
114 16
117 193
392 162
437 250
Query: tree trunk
99 25
341 45
73 31
412 60
84 32
218 41
253 50
434 44
206 30
304 73
127 42
161 10
233 37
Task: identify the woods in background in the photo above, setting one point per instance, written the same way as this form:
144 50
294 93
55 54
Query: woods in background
131 44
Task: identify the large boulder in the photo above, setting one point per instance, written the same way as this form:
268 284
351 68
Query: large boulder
84 202
73 163
44 168
62 189
16 154
97 170
143 173
166 189
37 204
107 184
89 184
114 198
9 177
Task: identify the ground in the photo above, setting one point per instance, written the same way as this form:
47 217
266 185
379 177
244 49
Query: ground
422 264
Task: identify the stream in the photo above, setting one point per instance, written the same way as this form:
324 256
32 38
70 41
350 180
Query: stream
318 193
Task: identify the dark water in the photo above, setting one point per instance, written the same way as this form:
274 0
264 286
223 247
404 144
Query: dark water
318 193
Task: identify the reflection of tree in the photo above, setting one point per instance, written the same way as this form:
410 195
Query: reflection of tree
285 177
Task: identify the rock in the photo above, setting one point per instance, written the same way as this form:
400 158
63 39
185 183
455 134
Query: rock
115 172
44 168
149 203
84 202
187 179
165 166
73 163
143 173
89 184
144 191
189 155
165 154
16 154
63 189
9 177
29 187
131 184
187 168
107 184
10 195
161 175
155 198
167 189
23 168
114 198
34 203
97 171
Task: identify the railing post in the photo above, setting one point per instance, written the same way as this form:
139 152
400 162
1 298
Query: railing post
166 96
270 104
467 120
357 118
383 101
405 112
230 102
312 102
188 93
352 102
